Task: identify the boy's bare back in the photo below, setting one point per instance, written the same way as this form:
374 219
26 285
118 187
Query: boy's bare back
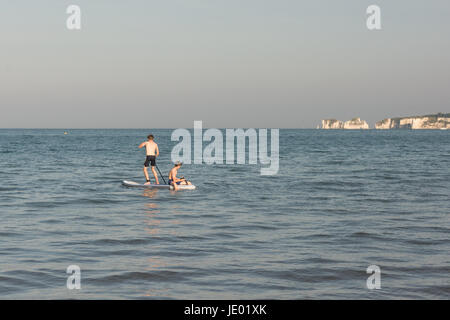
151 148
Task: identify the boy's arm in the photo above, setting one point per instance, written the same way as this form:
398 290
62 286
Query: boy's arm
174 177
142 144
177 179
157 151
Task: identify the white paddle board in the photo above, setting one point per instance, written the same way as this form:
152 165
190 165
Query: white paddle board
157 186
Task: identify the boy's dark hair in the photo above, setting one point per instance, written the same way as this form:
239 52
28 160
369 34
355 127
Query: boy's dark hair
150 137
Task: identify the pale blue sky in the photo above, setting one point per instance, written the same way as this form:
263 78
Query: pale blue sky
246 63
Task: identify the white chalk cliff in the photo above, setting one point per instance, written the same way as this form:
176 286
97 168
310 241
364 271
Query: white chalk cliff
437 121
355 123
331 124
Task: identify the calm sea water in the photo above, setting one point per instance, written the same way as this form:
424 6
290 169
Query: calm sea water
343 200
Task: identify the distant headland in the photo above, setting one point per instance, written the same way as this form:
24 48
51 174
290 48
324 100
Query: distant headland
433 121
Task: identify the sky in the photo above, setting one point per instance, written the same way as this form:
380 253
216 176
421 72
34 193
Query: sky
229 63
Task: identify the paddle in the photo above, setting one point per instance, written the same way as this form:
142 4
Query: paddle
160 174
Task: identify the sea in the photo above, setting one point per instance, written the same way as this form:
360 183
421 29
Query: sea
351 214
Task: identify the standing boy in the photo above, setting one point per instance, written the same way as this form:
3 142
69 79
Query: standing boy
152 152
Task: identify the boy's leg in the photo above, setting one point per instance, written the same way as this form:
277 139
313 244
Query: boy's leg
145 170
156 176
146 175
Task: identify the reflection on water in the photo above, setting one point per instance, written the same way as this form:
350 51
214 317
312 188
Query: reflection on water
153 228
153 224
155 263
152 210
150 193
158 293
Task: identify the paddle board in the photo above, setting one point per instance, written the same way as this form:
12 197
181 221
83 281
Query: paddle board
156 186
